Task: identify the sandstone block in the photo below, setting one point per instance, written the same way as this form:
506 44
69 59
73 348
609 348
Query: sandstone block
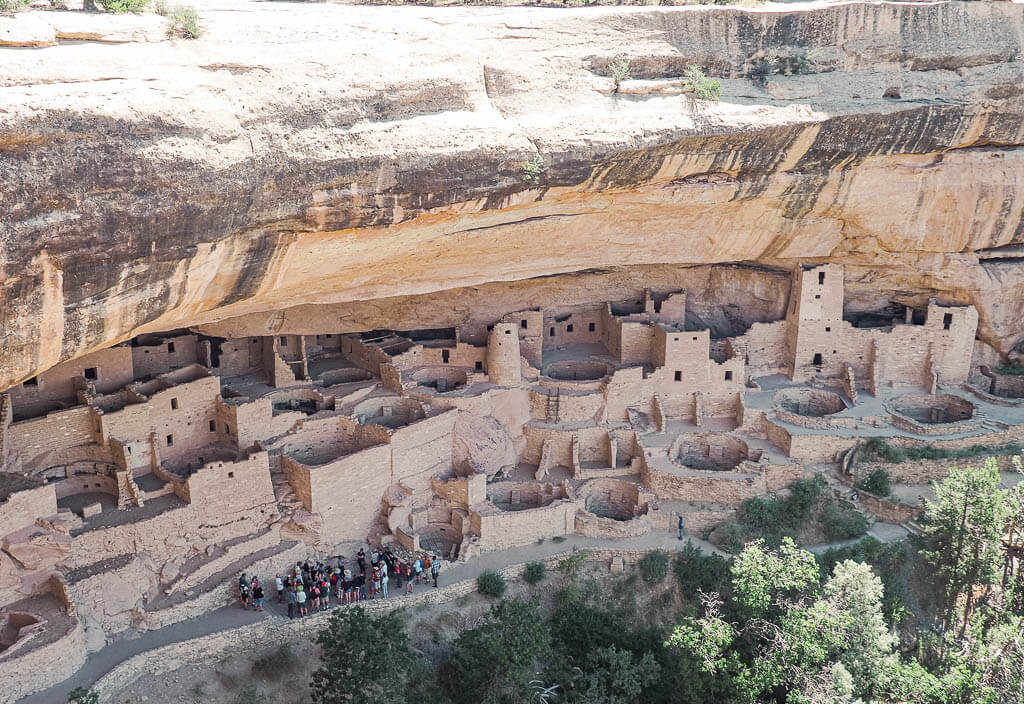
92 510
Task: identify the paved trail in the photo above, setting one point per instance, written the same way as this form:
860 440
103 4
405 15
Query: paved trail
103 661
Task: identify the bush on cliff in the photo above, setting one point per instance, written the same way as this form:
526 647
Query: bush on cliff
122 6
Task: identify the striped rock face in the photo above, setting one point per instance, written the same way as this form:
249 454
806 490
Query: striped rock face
364 166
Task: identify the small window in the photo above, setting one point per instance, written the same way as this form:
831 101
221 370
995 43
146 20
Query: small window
489 328
568 328
694 338
828 329
834 352
817 297
551 332
478 365
445 356
821 277
174 404
231 475
201 461
170 440
170 348
522 323
947 320
227 429
213 426
284 341
508 332
679 376
728 376
328 336
254 341
34 381
817 359
90 373
591 327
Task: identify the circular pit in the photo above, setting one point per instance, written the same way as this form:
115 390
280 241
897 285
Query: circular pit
934 409
814 403
709 451
576 371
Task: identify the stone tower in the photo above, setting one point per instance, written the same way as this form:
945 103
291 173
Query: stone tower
503 365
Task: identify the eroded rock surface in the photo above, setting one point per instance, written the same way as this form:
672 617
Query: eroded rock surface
305 160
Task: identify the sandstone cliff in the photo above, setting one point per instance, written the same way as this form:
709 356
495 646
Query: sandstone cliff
329 166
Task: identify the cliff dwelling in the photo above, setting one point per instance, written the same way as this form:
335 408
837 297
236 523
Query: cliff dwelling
605 421
329 281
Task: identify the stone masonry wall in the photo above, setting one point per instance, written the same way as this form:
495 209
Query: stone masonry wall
22 508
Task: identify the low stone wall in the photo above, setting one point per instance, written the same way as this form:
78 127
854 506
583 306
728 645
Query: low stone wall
887 511
927 471
271 631
26 673
593 526
815 422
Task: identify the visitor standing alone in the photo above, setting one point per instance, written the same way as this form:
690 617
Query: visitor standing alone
680 526
435 569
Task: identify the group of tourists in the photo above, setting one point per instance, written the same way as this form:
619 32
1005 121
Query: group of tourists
308 587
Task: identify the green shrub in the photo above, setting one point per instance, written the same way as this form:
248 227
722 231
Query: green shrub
81 695
698 571
1014 369
840 522
761 513
184 22
58 4
619 70
703 88
13 5
571 566
730 535
533 169
277 663
654 566
878 483
491 583
534 572
558 539
122 6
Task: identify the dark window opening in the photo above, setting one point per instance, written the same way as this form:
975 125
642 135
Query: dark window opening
508 332
170 440
568 328
170 348
522 324
834 352
551 332
284 341
489 328
227 429
34 381
213 426
591 327
445 356
478 365
90 373
231 475
821 277
728 376
679 376
657 306
174 404
817 359
694 338
947 320
817 297
828 329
